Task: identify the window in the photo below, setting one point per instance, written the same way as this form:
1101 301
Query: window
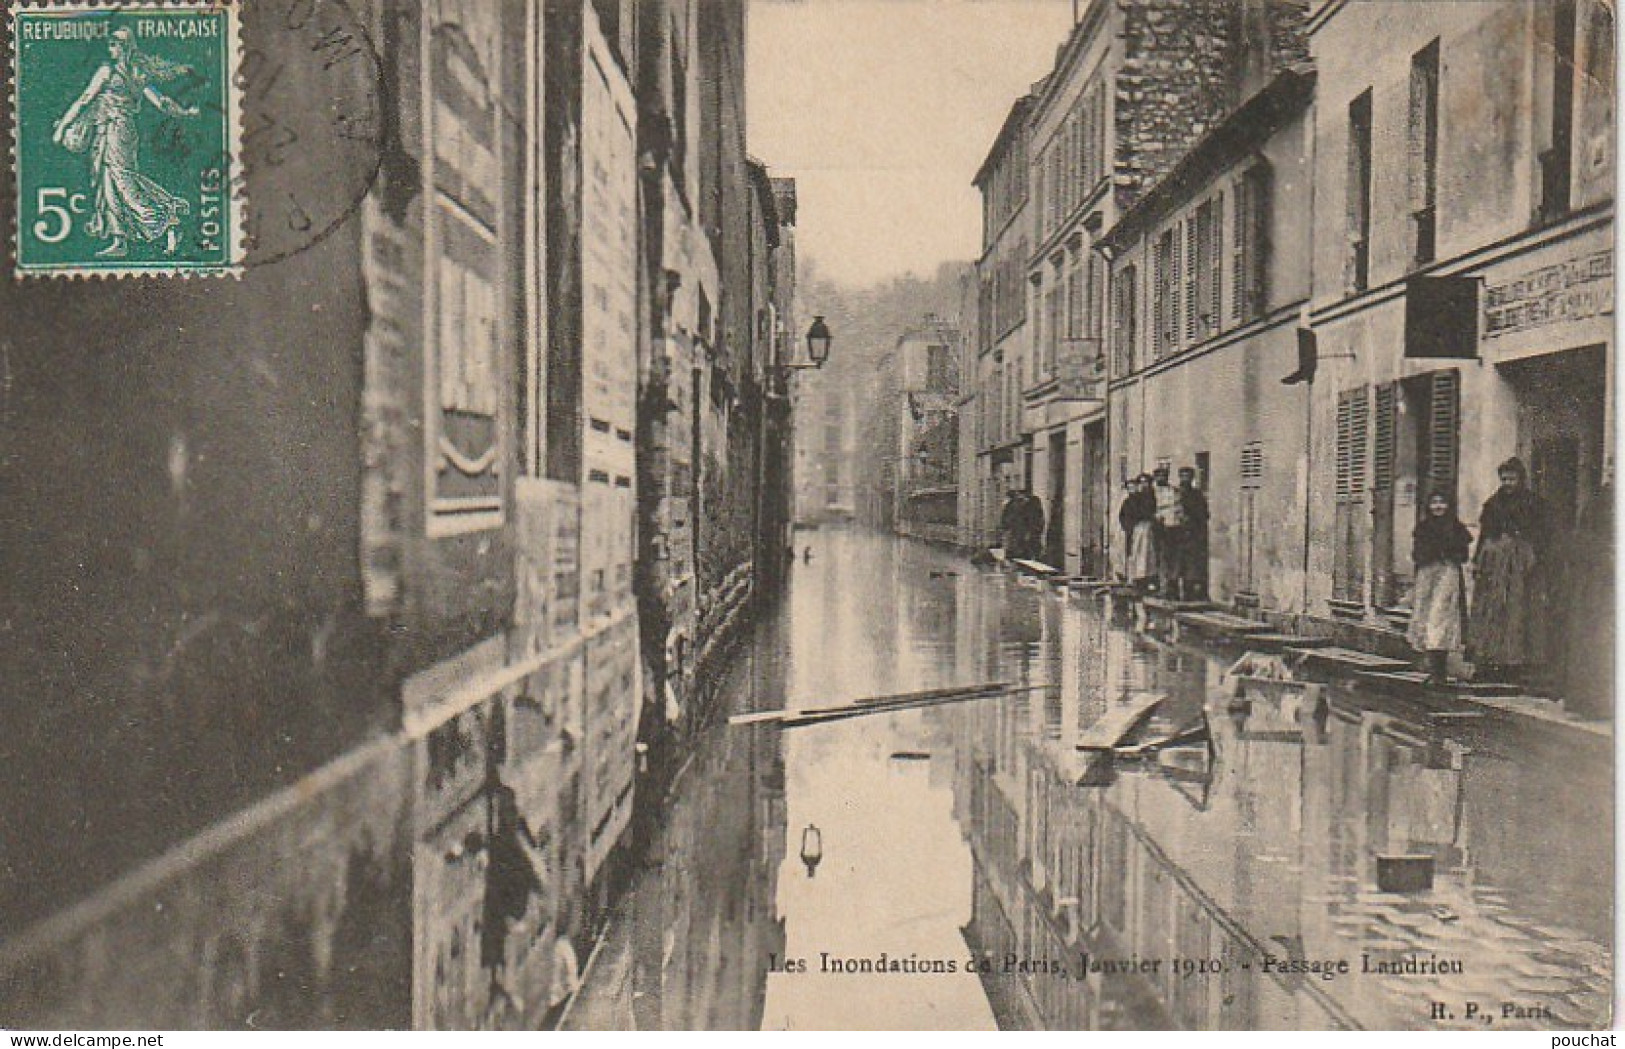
1424 151
1123 318
1193 272
1038 312
1250 248
1556 161
938 374
1359 193
1056 306
1074 303
1205 269
1164 277
679 112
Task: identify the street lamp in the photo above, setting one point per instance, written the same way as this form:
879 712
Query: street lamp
812 848
818 340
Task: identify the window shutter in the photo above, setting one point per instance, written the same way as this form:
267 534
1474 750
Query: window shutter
1263 191
1342 471
1353 432
1241 234
1252 464
1193 273
1444 431
1359 432
1387 425
1215 264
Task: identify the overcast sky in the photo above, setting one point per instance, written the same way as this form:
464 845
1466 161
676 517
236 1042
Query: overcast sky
882 110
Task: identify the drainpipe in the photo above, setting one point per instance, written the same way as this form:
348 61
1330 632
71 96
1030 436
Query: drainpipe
1312 131
1308 465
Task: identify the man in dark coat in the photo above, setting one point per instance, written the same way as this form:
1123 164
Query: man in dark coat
1032 525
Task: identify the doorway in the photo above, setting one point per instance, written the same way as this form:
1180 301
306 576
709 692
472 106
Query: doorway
1562 406
1093 505
1415 452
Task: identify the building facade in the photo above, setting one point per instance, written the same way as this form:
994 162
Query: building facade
1134 85
1001 346
1209 278
1462 293
1329 281
927 450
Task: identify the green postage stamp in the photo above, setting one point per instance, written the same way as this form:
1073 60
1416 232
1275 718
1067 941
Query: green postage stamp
126 138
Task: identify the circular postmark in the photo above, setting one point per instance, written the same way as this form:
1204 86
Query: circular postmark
312 124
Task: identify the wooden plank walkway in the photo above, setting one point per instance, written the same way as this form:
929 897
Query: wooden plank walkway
1272 642
1221 623
1347 659
1164 605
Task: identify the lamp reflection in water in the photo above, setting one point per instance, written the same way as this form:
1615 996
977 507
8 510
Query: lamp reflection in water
812 848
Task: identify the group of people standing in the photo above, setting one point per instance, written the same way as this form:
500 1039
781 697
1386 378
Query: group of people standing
1165 530
1504 630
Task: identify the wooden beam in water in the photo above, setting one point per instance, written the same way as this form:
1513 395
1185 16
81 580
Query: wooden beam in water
1119 721
882 704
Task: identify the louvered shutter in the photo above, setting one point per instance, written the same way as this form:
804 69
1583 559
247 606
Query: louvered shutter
1444 431
1384 447
1241 233
1193 277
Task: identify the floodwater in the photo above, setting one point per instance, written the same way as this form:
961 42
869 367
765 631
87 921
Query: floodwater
973 869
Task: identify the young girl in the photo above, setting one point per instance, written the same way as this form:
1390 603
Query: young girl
1439 549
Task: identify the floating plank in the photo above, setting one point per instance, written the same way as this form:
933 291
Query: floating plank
895 697
1116 724
1037 568
801 719
1192 733
881 705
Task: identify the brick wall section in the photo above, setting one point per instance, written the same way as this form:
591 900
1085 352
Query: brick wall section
1186 64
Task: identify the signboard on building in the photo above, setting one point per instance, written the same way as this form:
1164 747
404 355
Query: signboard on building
1554 298
1572 290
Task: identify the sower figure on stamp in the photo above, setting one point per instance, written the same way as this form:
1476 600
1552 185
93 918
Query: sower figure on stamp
102 122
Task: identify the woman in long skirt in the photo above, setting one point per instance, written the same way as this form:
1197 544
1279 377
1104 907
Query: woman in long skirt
1138 520
1438 550
1505 629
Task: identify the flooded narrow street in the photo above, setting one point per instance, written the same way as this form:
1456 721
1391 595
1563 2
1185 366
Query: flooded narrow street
967 866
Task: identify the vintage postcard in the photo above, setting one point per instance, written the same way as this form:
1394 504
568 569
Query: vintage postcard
952 515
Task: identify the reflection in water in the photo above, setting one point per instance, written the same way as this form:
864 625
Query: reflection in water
978 869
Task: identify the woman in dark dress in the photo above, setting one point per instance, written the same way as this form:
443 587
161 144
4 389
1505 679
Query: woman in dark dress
1504 632
1438 550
